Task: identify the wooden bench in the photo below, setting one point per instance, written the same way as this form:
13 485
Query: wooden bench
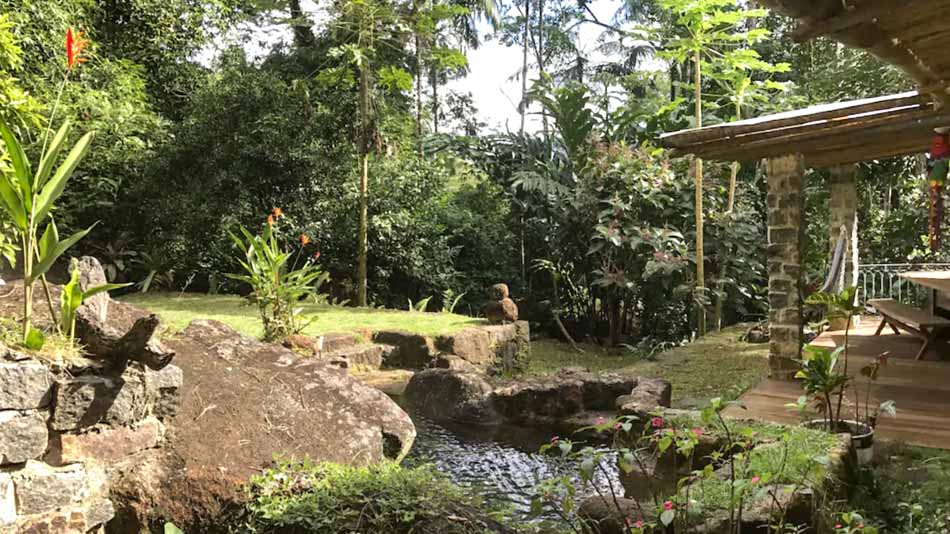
919 322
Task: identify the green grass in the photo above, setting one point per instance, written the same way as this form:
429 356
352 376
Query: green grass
177 310
718 365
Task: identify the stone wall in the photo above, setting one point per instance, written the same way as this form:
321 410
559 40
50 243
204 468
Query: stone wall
63 430
843 211
489 347
786 227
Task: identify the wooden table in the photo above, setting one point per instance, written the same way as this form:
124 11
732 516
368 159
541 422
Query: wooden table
936 281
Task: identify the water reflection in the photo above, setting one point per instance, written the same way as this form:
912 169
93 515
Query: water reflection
500 462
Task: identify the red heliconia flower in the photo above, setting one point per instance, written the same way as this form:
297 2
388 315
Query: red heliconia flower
304 239
278 212
74 48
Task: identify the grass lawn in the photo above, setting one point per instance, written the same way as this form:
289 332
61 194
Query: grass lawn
718 365
180 309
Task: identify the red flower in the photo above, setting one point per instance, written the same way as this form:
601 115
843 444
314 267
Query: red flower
668 505
74 47
698 432
316 255
657 422
755 480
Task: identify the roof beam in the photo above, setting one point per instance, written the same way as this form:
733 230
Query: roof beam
813 130
867 11
691 138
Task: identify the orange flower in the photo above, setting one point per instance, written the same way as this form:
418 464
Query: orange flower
270 220
278 212
74 48
304 239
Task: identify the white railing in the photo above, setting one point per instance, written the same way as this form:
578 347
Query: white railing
882 280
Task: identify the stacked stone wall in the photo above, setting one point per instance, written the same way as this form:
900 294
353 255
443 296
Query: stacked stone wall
63 431
786 227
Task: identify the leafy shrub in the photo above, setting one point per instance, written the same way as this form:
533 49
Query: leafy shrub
278 285
328 498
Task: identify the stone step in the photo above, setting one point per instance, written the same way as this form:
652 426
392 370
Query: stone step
367 356
335 342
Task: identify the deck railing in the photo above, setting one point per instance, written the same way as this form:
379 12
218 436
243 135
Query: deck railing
881 281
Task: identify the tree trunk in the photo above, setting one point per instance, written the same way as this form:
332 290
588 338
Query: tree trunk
435 100
419 89
700 267
523 108
365 143
303 34
363 231
540 54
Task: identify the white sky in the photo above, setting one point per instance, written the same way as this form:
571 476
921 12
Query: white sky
492 67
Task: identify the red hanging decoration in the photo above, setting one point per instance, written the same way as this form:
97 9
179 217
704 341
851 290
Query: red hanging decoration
937 178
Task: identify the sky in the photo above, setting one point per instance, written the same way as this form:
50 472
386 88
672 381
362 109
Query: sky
493 67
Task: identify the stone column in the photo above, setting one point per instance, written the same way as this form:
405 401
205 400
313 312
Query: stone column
786 233
843 211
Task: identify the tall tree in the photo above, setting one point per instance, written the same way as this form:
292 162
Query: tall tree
365 27
711 29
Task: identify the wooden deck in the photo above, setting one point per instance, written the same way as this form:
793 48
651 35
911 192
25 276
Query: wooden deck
921 389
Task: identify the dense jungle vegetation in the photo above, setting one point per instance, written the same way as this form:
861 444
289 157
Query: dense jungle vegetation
202 128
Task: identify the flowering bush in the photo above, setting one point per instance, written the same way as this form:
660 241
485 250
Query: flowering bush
696 472
277 285
29 194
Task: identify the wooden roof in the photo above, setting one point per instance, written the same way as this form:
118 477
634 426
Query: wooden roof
911 34
826 135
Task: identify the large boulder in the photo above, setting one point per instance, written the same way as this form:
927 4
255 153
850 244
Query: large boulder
649 395
450 394
245 402
612 515
411 351
556 398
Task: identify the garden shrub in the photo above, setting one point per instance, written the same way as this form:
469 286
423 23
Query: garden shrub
326 498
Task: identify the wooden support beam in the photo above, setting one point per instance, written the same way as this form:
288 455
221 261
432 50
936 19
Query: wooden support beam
864 12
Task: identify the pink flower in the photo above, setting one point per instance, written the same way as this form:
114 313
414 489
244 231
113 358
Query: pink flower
755 480
600 421
638 524
618 425
699 432
657 422
837 526
555 439
668 505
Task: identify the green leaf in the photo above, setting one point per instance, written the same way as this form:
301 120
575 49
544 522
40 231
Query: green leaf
667 517
51 155
54 188
170 528
93 291
12 202
21 165
47 260
50 238
34 339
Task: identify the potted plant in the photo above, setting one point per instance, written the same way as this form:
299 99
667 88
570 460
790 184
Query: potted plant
826 385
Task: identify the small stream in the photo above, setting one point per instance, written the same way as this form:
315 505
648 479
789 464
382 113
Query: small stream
500 462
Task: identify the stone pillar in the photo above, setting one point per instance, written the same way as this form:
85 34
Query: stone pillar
786 233
843 211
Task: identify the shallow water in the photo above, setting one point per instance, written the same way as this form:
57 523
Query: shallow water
500 462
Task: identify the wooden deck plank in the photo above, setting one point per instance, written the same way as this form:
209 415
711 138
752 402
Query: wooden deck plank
920 389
